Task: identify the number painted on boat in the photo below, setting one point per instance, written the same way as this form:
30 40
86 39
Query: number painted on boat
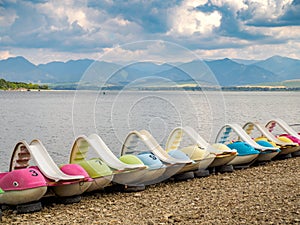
33 173
152 156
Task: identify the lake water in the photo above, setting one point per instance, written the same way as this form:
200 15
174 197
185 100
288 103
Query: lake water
57 117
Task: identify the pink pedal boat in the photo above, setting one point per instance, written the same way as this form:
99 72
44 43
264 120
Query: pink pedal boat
23 188
67 182
287 134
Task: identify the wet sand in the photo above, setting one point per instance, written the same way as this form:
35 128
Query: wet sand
268 194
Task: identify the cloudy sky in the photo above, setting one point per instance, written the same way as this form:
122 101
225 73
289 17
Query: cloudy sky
44 31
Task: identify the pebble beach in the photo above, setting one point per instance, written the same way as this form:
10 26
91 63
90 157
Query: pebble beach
266 194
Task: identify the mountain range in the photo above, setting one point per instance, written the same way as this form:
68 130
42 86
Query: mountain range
227 72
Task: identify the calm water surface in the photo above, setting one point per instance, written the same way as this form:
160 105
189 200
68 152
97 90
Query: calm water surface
57 117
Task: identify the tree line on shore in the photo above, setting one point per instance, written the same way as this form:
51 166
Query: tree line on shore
8 85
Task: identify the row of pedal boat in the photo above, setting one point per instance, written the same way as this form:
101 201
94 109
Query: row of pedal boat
33 175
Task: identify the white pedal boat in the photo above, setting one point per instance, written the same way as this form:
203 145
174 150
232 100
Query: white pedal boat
201 151
172 165
234 132
127 170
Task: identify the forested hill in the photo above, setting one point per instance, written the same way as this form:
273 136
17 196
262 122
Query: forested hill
7 85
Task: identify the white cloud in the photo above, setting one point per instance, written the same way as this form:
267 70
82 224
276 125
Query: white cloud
65 13
7 17
193 3
267 10
257 9
278 33
186 20
73 26
71 29
44 55
118 54
151 50
5 55
255 51
235 5
162 52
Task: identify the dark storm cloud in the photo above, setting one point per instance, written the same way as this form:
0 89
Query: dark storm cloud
60 26
151 15
231 25
34 29
290 17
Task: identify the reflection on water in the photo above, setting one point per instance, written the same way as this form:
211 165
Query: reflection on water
55 117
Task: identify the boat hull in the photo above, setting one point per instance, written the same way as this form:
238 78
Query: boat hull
170 171
100 183
23 196
71 189
243 160
205 163
288 150
223 160
189 167
263 157
128 177
139 177
153 176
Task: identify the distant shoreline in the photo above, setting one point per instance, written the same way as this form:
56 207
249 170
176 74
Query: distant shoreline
227 89
118 88
161 88
291 85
